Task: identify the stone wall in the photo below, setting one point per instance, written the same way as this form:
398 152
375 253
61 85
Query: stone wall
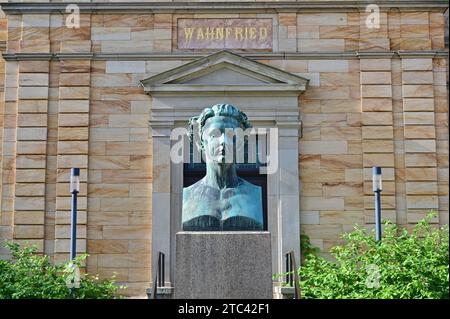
385 106
5 221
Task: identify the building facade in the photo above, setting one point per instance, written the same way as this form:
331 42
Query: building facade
347 86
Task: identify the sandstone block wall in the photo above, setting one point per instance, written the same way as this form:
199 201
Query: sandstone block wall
88 111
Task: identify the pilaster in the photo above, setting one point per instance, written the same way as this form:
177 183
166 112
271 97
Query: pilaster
419 138
377 134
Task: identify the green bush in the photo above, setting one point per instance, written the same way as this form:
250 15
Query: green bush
411 265
29 275
306 248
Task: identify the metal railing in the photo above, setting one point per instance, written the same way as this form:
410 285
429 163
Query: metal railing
160 275
292 277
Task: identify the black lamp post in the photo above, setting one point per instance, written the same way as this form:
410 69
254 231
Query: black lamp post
74 189
376 175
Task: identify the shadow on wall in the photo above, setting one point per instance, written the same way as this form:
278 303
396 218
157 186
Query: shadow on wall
446 28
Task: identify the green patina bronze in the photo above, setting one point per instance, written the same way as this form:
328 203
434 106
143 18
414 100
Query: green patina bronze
221 201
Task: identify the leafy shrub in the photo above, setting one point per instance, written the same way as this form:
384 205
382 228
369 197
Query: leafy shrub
306 248
411 265
30 275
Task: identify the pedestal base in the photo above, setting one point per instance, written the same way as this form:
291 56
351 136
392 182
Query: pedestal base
223 265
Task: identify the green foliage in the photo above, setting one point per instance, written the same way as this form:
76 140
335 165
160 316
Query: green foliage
30 275
307 248
410 265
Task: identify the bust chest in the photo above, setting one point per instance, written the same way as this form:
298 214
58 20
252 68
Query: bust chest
222 204
219 202
209 208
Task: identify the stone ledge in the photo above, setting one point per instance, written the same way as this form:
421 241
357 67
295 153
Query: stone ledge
287 292
241 7
161 292
252 55
27 56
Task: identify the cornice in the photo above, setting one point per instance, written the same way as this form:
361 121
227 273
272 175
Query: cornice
28 56
420 54
244 6
196 55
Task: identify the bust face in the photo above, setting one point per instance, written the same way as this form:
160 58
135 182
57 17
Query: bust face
219 139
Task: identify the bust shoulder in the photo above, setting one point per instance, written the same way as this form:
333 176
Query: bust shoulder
199 189
198 209
245 187
247 207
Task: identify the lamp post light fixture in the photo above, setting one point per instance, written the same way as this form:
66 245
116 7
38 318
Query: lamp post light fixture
376 175
74 189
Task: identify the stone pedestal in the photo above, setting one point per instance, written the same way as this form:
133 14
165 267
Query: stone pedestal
223 265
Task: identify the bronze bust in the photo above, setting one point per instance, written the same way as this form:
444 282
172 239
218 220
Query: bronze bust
221 201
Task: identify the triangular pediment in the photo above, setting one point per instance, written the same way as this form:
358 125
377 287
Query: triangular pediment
224 71
223 74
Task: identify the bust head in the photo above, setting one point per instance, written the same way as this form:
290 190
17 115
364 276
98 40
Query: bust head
215 127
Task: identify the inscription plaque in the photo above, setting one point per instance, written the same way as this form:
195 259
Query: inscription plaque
255 34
